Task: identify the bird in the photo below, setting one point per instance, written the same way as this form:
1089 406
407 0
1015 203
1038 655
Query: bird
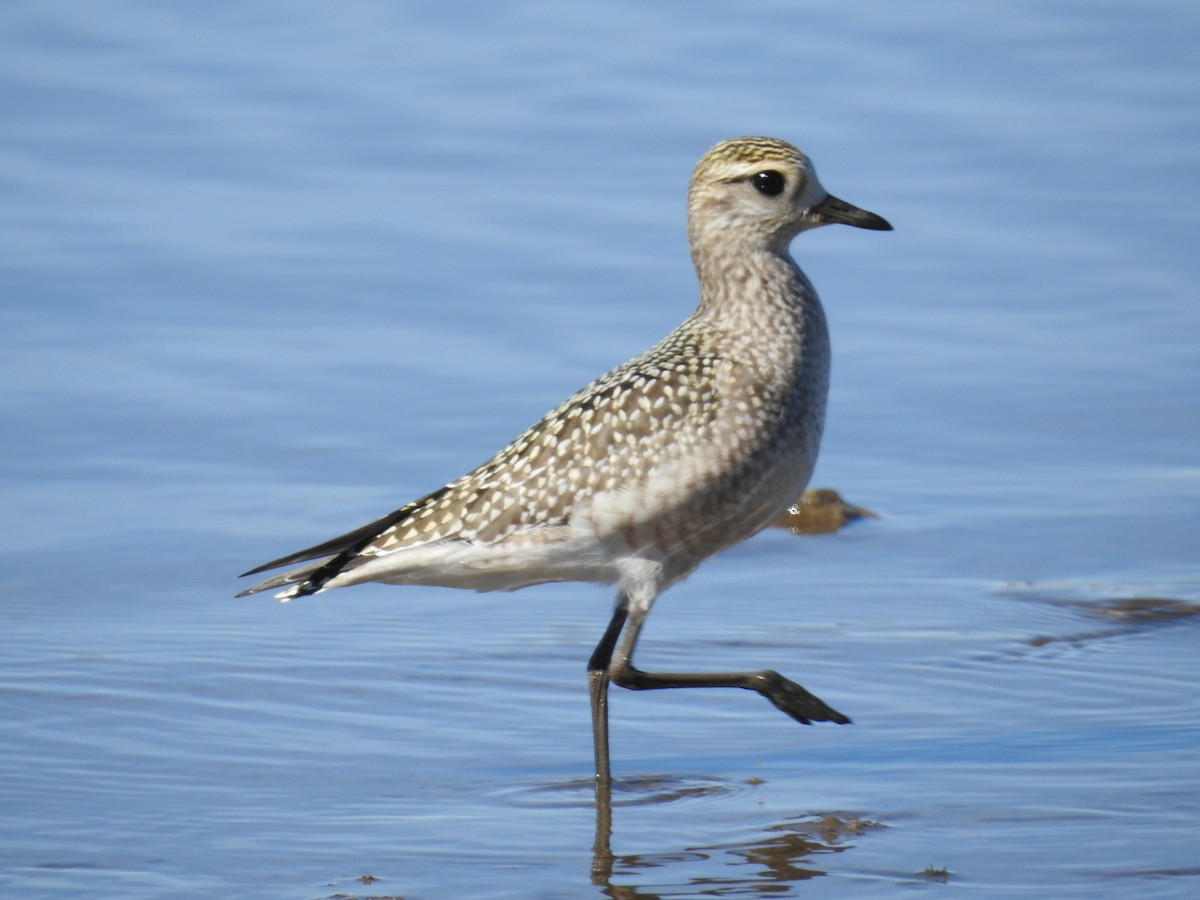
668 459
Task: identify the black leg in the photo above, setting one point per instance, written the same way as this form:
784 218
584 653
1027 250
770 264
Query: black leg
602 857
602 655
598 667
783 692
623 628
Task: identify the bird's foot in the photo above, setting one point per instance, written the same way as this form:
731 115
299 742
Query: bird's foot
794 700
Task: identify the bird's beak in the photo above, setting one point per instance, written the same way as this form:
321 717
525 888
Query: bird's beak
831 209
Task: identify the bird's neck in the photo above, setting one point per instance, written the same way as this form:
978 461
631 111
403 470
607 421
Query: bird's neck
760 287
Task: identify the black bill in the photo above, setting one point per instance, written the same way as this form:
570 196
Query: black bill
831 209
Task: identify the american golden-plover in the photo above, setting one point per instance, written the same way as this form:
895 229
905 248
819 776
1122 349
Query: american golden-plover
683 451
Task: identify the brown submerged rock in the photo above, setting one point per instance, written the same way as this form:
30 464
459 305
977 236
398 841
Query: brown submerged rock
821 511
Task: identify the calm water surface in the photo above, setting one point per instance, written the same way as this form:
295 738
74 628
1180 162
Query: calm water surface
272 269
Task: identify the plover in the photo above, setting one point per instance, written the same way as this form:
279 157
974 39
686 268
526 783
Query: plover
679 453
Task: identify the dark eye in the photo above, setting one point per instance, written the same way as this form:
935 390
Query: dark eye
769 182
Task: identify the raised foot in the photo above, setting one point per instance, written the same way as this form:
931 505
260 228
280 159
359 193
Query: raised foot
795 700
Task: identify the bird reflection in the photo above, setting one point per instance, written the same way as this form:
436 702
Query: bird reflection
783 855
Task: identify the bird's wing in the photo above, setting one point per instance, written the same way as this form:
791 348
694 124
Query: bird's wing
333 553
602 438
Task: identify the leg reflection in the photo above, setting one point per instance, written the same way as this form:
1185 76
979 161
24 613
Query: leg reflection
602 855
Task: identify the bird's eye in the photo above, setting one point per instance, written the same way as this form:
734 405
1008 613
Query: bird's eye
769 182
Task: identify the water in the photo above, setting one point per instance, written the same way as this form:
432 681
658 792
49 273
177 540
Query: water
271 270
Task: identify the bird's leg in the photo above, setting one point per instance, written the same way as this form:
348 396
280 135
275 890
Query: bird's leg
602 856
783 692
598 667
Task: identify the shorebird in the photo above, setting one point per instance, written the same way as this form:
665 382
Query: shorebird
678 454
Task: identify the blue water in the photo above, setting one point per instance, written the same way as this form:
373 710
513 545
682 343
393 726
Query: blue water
270 270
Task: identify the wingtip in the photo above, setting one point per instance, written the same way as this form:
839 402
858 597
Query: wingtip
283 596
294 581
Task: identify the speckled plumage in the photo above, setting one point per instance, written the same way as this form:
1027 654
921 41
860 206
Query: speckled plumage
673 456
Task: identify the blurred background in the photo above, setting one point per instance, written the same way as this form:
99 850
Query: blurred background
270 270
